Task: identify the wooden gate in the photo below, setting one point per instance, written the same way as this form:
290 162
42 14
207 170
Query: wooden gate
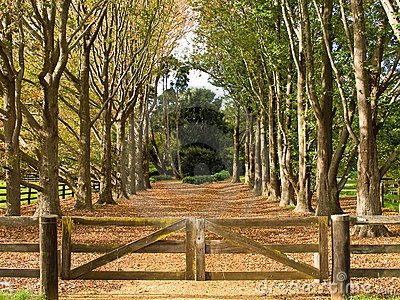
196 246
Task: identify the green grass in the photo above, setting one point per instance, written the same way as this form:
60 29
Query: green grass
391 201
19 295
373 298
392 206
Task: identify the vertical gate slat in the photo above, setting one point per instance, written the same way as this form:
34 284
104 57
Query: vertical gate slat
323 248
190 249
67 225
200 251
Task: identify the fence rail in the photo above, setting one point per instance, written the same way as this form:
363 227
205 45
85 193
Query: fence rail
29 194
389 191
19 247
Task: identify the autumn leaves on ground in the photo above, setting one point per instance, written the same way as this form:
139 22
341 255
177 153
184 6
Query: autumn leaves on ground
174 199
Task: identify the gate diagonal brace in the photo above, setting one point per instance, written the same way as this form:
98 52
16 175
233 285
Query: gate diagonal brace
256 247
127 249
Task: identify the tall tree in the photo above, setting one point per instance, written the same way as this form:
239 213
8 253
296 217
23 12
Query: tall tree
12 41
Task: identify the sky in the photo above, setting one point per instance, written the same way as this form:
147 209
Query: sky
197 78
200 79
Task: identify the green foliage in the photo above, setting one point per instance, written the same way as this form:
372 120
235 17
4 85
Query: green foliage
19 295
200 179
153 170
197 160
362 297
222 175
160 178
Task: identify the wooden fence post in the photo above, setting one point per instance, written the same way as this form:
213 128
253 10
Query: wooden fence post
29 195
382 190
48 257
63 191
200 251
340 287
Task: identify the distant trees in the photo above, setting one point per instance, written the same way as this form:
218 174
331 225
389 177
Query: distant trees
200 136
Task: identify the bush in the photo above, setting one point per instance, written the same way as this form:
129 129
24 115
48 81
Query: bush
199 179
198 160
160 178
220 176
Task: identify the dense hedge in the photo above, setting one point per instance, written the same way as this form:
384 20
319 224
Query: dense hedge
156 178
220 176
198 160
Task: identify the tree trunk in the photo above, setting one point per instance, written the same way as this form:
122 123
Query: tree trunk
287 194
257 159
146 162
12 125
168 143
49 201
247 176
106 196
122 157
251 151
132 155
264 156
11 86
236 148
139 145
302 201
368 201
84 190
327 195
178 142
274 186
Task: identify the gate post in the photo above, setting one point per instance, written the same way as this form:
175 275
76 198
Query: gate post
48 257
340 287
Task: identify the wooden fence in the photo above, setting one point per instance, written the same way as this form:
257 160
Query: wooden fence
29 194
196 246
342 249
47 248
19 247
389 190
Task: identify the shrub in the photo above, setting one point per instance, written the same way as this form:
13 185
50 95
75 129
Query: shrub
160 178
220 176
199 160
199 179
